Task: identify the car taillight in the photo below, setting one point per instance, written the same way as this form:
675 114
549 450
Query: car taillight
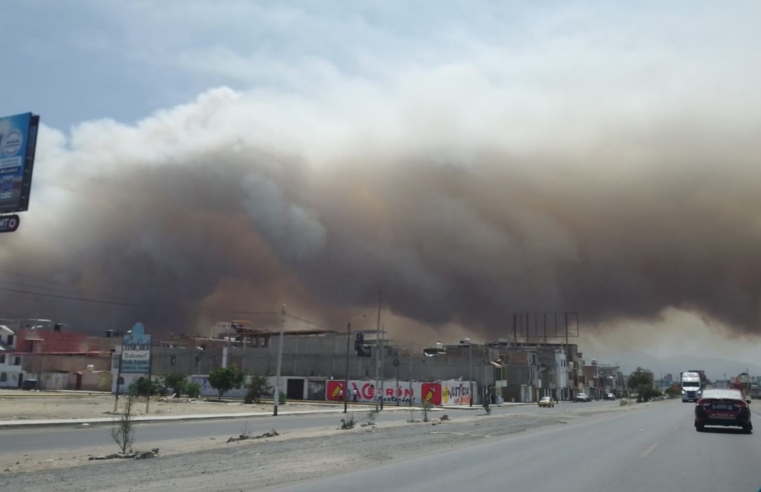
739 404
704 403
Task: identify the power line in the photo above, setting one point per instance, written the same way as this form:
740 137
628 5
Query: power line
289 315
130 304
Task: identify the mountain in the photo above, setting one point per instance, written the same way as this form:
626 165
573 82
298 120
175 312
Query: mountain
715 368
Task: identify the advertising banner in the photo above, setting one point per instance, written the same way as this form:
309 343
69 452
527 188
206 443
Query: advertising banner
136 351
18 140
448 393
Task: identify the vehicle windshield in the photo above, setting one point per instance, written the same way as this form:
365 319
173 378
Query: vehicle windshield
691 384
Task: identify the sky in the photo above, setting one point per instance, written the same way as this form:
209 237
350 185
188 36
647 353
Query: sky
471 159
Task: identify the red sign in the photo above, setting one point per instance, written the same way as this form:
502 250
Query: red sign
334 389
431 393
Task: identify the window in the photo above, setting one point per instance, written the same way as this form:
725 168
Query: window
2 359
17 361
3 377
10 340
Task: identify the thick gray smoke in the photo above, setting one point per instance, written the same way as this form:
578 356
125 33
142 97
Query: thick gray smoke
464 198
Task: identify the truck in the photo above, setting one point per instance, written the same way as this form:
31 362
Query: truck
692 386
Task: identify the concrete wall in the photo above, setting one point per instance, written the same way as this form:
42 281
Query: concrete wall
39 363
54 381
323 363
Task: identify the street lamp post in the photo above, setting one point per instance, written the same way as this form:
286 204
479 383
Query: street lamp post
346 384
279 363
470 370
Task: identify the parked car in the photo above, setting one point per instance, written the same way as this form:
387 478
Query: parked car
546 401
582 397
610 396
725 407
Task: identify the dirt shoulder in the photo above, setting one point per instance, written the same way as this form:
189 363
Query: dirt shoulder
261 463
52 406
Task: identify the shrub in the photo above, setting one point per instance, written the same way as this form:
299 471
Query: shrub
257 388
176 383
193 389
142 387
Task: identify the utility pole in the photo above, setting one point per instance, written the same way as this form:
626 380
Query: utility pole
118 377
150 370
410 374
378 396
279 363
382 364
470 370
348 347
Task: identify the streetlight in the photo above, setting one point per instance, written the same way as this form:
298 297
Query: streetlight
348 347
279 363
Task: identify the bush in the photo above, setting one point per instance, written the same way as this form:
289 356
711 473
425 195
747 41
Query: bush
257 388
176 383
123 430
348 422
142 387
280 398
193 389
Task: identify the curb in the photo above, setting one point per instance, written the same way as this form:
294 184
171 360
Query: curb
21 424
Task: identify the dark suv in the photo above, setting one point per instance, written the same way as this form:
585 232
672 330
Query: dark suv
725 407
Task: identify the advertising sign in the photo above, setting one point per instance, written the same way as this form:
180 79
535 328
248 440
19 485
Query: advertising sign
18 140
456 393
136 351
439 393
9 223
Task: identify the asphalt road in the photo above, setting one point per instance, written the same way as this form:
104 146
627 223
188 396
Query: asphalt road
654 449
89 438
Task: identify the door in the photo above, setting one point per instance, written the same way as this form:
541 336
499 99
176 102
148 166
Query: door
295 389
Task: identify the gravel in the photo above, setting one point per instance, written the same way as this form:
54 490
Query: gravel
257 464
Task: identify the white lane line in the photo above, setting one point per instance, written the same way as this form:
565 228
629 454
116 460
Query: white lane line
649 450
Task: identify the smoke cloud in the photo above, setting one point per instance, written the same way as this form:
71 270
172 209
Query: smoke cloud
616 186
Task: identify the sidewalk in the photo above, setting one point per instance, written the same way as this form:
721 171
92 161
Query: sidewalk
480 407
17 424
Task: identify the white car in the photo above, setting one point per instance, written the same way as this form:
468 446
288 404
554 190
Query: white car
582 397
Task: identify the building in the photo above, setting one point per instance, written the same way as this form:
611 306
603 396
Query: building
11 363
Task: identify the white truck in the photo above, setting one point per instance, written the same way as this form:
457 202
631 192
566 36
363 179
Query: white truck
692 386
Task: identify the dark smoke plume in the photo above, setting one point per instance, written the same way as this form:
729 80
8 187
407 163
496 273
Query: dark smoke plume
461 215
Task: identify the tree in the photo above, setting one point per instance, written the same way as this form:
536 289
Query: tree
641 381
123 430
224 379
142 387
674 391
176 383
257 388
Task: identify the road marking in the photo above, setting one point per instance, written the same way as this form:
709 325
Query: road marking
649 450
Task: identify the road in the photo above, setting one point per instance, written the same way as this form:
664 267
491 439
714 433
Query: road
53 439
654 449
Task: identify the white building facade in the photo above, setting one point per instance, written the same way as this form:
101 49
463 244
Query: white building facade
11 373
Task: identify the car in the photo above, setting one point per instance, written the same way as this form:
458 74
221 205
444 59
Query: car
546 401
610 396
582 397
725 407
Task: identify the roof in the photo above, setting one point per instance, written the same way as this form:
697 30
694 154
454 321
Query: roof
6 330
730 394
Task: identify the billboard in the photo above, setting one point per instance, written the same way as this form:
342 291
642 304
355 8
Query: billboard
18 140
438 393
136 351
